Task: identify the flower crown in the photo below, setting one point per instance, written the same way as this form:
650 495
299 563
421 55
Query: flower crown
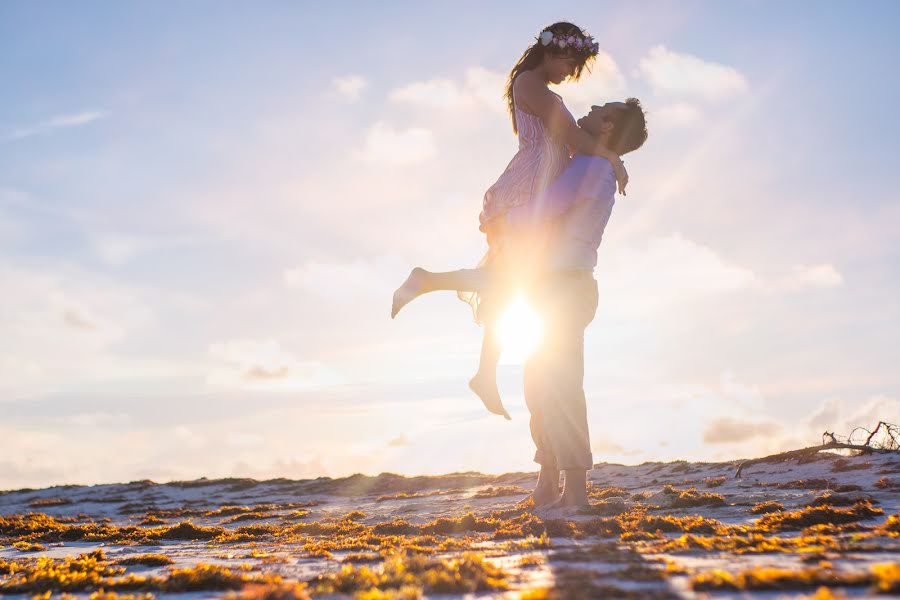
578 43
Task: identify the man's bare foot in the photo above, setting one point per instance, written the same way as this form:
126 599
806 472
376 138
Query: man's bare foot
541 497
571 501
485 387
407 292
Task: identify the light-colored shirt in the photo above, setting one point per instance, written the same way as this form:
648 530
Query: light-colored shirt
578 205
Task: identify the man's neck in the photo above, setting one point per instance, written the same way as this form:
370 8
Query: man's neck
602 140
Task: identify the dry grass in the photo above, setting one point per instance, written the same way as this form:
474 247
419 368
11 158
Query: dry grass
883 578
770 506
149 560
45 502
596 492
465 574
92 572
690 498
271 591
830 498
762 579
738 544
501 491
842 465
410 495
375 557
813 484
23 546
582 584
794 520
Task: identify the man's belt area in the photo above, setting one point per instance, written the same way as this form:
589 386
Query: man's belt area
567 274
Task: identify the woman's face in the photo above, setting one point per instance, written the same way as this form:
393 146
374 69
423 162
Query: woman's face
560 68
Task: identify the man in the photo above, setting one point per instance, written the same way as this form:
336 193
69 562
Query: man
578 204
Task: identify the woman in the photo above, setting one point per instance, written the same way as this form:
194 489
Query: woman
548 135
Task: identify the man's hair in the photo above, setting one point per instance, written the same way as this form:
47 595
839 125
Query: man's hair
629 128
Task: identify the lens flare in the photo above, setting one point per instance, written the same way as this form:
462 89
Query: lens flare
519 331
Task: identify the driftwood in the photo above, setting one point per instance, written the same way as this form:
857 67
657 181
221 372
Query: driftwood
888 444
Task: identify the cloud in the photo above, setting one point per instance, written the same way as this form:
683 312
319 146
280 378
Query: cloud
97 419
239 439
344 281
827 415
668 271
481 88
728 430
78 320
388 145
605 82
263 364
117 249
814 276
350 86
400 440
842 418
674 74
58 122
672 116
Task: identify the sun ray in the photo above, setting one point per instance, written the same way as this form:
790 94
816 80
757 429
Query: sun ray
519 331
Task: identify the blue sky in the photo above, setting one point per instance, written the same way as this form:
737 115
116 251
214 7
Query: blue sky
204 208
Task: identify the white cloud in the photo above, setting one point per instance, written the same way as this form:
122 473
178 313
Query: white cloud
604 83
97 419
667 271
58 122
841 417
481 88
350 86
241 439
388 145
672 73
117 249
672 116
344 281
63 327
815 276
729 430
435 93
264 364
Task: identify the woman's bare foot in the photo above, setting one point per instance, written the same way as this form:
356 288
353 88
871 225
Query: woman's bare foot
407 292
485 387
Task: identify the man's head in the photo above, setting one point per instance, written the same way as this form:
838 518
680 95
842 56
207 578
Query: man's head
620 126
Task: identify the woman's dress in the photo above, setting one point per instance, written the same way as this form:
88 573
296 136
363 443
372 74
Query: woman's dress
540 159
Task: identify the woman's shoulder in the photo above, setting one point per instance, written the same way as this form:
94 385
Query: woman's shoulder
529 84
527 80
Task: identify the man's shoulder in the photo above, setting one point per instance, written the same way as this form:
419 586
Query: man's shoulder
595 169
594 163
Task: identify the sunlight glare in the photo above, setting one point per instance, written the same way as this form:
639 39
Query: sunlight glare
518 331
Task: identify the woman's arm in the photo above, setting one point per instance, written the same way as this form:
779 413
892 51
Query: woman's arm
532 93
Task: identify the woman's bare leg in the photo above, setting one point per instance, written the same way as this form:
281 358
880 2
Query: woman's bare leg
484 383
421 282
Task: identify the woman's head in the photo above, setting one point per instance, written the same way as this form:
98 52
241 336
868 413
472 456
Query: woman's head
562 50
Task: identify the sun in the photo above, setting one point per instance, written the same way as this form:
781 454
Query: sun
519 331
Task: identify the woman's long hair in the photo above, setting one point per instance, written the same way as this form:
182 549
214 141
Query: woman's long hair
534 56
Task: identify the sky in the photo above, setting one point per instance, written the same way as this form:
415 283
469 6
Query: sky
205 208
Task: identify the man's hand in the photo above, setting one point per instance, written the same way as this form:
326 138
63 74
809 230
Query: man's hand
621 174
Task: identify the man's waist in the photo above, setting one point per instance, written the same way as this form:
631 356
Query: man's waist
561 273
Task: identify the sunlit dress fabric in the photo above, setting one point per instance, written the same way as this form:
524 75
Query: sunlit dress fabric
540 159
